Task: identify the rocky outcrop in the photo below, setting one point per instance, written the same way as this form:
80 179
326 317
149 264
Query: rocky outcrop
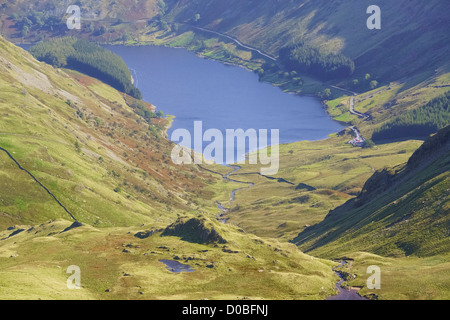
145 234
195 230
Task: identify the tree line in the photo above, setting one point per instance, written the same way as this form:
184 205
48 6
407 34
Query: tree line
89 58
140 109
43 21
312 61
418 123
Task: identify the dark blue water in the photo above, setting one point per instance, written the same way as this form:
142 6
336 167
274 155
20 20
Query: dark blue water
176 267
223 97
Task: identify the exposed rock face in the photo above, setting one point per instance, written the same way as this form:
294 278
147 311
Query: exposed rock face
440 142
146 234
74 225
194 230
377 184
306 187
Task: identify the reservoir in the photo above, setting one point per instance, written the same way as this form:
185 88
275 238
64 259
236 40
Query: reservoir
222 97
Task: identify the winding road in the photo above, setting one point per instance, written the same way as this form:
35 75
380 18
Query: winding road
358 140
352 102
239 43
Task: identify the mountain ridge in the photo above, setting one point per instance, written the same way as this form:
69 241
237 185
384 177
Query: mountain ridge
412 37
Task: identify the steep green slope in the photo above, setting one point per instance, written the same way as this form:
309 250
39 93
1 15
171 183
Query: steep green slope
400 212
413 37
111 169
88 58
420 122
321 174
414 34
82 141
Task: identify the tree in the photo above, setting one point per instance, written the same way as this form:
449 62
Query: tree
89 58
125 38
420 122
325 94
311 60
24 31
373 84
260 72
102 30
298 81
52 22
368 144
164 25
26 22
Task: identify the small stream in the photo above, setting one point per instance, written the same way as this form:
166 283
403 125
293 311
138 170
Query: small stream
226 177
344 293
222 208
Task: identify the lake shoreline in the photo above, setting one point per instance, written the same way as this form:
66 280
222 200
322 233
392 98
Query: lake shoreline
202 56
224 62
306 119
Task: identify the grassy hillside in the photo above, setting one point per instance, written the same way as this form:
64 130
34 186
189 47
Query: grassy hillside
402 211
120 263
83 141
399 222
413 36
409 29
336 171
97 153
111 169
402 278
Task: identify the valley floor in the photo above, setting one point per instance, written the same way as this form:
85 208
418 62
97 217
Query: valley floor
257 261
